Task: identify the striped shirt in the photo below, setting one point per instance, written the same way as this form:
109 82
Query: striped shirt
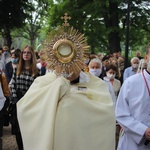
20 84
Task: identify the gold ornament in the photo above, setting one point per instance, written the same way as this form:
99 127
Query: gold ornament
65 50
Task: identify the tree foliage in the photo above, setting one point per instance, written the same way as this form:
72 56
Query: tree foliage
35 21
12 16
104 22
22 15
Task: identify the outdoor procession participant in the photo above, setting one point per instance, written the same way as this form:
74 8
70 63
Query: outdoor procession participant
110 77
132 110
2 102
6 57
6 92
95 66
23 77
132 70
67 109
15 55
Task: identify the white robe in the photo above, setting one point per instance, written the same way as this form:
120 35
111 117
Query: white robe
54 115
133 112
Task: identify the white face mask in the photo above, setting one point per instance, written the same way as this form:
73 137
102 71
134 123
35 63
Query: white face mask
110 76
135 66
95 72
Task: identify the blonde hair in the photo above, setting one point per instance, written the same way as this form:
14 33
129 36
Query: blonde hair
21 66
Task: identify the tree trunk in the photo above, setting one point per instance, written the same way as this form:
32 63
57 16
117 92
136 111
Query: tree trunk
113 37
112 25
114 42
32 42
7 37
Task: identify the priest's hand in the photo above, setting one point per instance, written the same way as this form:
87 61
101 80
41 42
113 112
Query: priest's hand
147 133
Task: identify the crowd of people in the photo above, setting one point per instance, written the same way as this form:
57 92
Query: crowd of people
129 89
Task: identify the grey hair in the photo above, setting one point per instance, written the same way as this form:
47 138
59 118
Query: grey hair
134 58
95 60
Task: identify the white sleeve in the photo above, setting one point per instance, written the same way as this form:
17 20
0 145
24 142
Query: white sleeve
130 125
2 98
111 91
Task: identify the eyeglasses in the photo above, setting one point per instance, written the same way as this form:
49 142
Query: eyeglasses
28 53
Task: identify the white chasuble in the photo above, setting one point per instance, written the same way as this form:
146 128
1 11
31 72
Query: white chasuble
54 115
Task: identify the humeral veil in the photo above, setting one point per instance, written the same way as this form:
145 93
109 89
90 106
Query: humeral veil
54 115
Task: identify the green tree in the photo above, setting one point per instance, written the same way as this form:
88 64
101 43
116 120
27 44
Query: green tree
35 21
11 16
103 22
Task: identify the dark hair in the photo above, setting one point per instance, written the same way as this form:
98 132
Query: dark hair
17 52
111 66
106 57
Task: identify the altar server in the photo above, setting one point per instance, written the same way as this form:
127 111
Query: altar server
133 110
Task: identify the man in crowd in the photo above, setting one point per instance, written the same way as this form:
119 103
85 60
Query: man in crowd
132 69
95 66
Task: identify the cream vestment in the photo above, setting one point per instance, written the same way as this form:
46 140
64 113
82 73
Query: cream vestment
54 115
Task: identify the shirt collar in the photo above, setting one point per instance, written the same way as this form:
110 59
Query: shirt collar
106 79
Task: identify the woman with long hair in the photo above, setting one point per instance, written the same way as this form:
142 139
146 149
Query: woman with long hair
23 77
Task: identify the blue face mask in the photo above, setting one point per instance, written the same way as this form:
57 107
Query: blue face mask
14 60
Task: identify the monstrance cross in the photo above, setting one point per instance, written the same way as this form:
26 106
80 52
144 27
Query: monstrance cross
66 18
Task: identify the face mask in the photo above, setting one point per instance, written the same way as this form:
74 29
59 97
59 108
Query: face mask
14 61
135 66
110 76
95 72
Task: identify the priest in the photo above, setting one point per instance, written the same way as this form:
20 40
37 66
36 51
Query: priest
67 109
133 110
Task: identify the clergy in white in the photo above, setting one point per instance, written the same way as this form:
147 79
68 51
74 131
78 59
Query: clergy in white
54 115
133 110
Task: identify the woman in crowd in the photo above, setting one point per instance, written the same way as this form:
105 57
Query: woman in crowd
116 85
23 77
111 72
15 55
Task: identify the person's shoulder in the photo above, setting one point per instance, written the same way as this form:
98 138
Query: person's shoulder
50 79
106 79
128 68
87 77
8 64
134 78
117 81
